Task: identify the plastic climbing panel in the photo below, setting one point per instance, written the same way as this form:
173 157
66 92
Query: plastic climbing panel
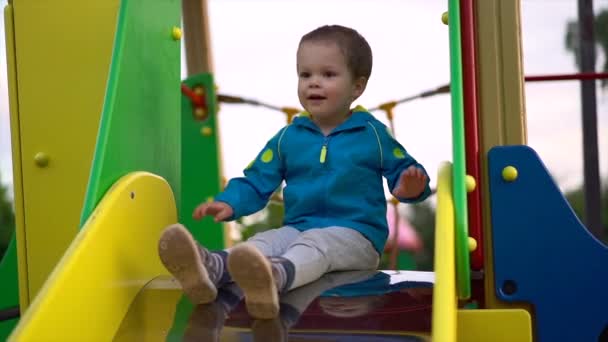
140 124
201 170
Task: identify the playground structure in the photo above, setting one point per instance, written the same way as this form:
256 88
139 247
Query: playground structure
135 160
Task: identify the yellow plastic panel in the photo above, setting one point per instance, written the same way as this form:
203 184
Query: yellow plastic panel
16 154
496 325
62 54
444 291
152 312
112 258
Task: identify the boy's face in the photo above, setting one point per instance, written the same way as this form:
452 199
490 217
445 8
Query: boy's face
326 87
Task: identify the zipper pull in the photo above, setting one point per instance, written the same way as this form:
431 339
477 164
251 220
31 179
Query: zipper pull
323 154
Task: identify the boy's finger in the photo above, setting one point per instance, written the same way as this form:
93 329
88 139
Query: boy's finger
222 215
199 211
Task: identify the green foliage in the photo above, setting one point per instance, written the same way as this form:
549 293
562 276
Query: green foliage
272 218
7 219
423 220
576 198
572 40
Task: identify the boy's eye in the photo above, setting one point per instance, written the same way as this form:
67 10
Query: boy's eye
329 74
304 74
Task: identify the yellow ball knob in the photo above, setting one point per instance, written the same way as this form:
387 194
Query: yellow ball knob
200 113
444 18
176 33
41 159
509 173
206 131
472 244
471 184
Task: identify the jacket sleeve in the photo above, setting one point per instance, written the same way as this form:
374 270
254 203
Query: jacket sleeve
395 159
250 193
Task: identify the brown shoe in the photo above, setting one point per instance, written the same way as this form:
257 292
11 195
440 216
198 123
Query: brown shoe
252 271
179 253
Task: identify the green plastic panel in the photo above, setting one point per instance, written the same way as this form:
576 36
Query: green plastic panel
140 123
183 312
201 169
463 271
9 296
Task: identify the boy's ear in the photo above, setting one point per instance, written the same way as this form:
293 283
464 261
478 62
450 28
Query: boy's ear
359 87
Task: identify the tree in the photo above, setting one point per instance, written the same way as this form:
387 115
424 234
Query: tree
572 40
422 219
576 198
7 219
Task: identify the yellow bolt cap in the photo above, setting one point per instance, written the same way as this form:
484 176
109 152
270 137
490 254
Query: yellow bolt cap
176 33
509 173
41 159
200 113
444 18
471 184
472 244
206 131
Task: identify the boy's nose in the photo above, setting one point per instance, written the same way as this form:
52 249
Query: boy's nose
314 82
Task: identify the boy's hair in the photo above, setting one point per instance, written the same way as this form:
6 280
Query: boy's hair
355 48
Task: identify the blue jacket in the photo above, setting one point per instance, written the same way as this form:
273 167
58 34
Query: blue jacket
333 180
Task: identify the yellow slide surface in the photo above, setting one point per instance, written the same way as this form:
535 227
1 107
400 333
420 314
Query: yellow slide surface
112 258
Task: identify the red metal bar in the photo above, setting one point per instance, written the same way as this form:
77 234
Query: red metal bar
564 77
471 128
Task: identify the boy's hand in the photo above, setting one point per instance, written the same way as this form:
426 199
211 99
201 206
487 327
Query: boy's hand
411 184
219 210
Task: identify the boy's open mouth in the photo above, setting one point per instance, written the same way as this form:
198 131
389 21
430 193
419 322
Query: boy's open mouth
316 97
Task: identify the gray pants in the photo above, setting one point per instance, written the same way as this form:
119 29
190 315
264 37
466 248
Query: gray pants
315 252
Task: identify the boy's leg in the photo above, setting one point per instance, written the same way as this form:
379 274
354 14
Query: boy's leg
273 242
198 271
319 251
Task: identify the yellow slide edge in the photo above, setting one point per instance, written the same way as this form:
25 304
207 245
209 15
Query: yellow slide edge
111 259
444 292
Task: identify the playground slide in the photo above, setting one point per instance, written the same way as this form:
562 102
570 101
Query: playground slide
112 258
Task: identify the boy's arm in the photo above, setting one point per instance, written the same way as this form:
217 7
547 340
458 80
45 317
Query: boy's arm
395 160
250 193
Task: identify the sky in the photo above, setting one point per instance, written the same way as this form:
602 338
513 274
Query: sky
254 47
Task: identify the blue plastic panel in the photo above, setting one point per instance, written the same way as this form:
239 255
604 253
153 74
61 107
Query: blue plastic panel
542 253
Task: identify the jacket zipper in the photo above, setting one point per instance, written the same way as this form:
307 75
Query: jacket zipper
323 155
